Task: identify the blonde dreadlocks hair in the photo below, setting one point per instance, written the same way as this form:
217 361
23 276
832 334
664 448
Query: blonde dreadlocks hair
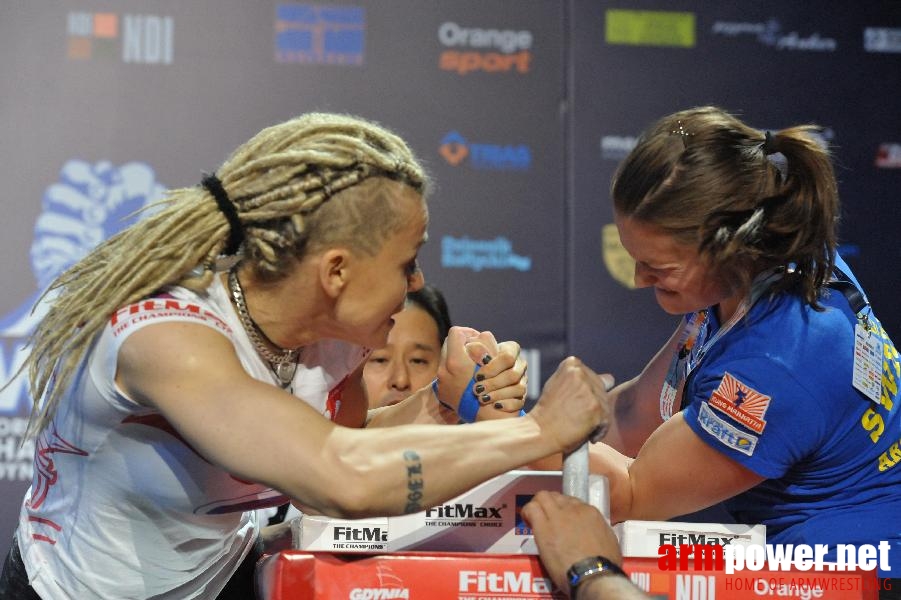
279 182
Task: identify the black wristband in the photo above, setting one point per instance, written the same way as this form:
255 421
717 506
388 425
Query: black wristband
587 568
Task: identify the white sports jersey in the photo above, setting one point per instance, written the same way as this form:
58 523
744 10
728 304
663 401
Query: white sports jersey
120 506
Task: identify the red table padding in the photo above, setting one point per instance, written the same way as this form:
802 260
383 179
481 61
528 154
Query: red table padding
300 575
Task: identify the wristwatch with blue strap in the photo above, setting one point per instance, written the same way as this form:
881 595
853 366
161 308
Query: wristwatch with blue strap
593 566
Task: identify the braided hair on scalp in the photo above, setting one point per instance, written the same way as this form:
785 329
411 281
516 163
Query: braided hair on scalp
312 181
707 179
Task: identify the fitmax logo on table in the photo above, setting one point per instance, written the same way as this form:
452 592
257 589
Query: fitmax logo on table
139 39
313 34
502 582
456 149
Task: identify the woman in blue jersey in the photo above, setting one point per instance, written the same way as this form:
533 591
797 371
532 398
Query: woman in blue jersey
780 387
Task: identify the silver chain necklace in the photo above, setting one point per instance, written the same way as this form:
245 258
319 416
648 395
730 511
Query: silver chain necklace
283 365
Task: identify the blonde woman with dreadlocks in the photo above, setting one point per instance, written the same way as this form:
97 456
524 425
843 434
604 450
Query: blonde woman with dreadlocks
179 393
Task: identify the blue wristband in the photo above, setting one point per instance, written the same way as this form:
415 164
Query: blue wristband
469 404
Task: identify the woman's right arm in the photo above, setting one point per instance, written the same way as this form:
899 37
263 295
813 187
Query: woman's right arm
636 403
254 430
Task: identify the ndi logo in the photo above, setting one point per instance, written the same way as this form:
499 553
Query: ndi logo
145 39
496 157
310 34
466 253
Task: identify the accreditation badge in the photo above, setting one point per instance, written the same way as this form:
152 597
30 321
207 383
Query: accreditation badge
867 377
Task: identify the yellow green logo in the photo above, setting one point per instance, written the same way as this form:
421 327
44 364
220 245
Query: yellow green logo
650 28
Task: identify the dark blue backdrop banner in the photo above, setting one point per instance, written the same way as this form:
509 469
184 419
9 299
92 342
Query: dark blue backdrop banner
521 110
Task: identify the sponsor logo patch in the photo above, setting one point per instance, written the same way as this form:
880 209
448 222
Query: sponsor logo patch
164 308
520 526
888 156
478 255
476 49
771 33
320 34
620 265
650 28
741 403
455 148
727 434
882 39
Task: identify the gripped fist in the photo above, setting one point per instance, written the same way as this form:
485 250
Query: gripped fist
574 404
500 385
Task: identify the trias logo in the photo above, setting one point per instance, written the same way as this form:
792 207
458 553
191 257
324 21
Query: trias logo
486 50
360 534
507 582
465 511
455 148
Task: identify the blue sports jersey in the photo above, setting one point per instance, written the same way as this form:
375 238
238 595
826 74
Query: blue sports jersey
775 394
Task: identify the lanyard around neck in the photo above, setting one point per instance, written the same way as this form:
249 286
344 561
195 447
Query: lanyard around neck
759 286
684 361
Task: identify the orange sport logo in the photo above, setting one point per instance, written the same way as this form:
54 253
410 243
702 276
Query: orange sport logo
472 50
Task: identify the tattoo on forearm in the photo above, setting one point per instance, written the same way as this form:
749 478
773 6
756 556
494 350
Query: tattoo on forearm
414 482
